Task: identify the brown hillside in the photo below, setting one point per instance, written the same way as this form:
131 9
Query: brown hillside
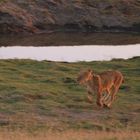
69 15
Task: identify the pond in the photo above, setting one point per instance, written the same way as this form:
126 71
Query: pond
70 39
71 53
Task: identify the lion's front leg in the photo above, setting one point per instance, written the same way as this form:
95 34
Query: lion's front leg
99 99
90 97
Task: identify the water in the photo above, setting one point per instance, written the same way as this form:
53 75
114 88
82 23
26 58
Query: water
70 39
71 53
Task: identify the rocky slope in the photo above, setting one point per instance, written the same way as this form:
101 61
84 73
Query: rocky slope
35 16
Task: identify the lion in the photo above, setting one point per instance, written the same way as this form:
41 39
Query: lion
107 82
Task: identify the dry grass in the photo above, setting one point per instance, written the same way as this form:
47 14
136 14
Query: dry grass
70 135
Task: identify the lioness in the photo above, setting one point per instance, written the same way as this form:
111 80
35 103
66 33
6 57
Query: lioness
108 81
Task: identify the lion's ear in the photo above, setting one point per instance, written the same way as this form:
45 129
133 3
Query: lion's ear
90 71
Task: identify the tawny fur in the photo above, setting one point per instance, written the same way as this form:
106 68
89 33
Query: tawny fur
105 82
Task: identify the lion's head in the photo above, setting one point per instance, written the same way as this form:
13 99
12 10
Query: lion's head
85 76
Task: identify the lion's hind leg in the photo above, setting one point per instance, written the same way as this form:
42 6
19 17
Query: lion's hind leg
113 95
106 97
115 90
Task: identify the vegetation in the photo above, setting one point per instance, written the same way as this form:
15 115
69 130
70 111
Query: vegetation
39 96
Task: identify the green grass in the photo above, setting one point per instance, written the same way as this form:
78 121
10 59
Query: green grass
44 95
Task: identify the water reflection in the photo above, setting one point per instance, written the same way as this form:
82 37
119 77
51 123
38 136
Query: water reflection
71 53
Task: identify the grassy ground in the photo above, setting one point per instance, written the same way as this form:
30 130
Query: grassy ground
37 96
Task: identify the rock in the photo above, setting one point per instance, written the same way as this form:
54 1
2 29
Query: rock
20 16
